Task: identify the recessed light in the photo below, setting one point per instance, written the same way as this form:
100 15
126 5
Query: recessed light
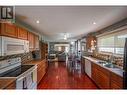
65 37
94 23
72 42
37 21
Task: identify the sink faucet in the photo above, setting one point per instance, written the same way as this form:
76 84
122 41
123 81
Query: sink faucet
111 58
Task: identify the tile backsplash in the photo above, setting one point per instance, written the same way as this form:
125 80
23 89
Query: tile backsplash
118 60
25 57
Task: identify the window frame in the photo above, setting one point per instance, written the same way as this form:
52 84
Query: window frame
115 35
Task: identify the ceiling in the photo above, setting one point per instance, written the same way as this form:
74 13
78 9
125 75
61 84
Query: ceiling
75 21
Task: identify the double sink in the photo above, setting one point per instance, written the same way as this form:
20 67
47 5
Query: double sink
108 64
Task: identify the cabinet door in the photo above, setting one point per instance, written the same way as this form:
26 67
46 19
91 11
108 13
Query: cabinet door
31 41
22 33
40 71
115 85
103 80
100 76
94 72
8 30
116 81
36 42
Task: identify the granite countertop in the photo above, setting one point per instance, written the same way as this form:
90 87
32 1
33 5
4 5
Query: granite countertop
4 82
34 62
114 70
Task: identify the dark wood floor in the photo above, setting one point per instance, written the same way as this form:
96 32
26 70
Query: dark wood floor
62 76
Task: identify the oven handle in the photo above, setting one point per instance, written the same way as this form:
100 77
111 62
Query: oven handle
20 78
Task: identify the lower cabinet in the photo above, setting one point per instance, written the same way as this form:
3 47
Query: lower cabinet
101 76
116 81
41 70
104 78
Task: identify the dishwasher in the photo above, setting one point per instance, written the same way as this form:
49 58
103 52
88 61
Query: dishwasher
88 67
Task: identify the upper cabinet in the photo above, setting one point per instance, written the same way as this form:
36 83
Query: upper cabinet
31 41
11 30
8 30
36 42
22 33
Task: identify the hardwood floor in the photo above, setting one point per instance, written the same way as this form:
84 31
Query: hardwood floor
61 75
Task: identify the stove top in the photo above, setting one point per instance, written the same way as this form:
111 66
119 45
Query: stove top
16 71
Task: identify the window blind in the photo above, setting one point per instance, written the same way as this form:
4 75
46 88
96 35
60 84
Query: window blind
113 42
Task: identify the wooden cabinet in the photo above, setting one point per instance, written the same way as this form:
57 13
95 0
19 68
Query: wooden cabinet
101 76
8 30
103 79
44 50
36 42
11 30
106 79
116 81
31 41
94 71
41 70
22 33
11 86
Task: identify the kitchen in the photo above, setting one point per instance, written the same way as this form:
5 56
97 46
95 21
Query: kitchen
45 40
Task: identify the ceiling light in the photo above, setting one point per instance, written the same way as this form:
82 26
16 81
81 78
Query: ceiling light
37 21
72 42
94 23
65 37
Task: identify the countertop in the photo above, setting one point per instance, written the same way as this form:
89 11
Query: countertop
34 62
114 70
5 82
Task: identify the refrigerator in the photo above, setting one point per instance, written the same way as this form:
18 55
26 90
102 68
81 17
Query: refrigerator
125 66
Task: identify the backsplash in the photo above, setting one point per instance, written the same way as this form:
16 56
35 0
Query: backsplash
118 60
25 57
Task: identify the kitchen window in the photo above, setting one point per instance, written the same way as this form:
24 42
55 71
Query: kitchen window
113 42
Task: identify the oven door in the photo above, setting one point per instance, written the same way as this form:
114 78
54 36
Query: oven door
19 83
32 79
12 46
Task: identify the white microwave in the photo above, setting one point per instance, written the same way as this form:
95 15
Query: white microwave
10 46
